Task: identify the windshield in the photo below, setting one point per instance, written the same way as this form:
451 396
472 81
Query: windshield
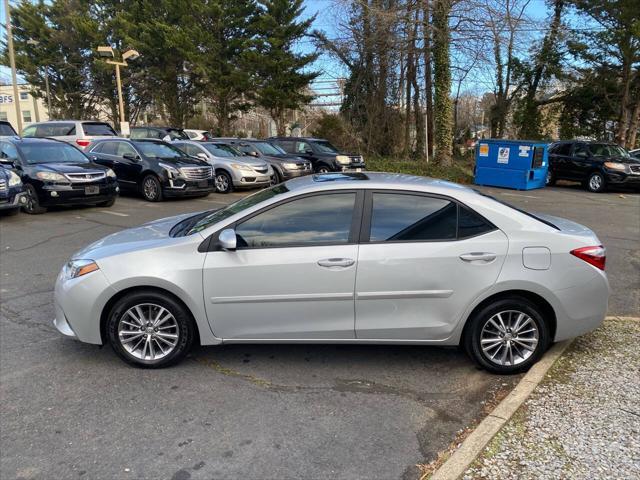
220 150
326 147
158 150
34 153
604 150
268 149
216 216
6 130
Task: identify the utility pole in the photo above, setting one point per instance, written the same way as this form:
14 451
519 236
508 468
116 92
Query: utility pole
12 63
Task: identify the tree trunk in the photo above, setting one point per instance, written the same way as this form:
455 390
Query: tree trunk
428 84
416 92
442 66
410 79
634 124
623 117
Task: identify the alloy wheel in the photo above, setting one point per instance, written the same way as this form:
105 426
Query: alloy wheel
595 182
150 189
509 338
148 332
323 170
222 182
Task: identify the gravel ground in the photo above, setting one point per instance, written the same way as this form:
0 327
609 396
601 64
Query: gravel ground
582 421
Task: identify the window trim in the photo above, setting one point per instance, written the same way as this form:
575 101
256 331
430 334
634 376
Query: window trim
210 244
365 229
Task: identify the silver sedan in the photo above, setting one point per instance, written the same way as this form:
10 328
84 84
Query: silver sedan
340 258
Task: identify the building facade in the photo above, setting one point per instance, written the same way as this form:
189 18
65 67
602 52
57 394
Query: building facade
32 109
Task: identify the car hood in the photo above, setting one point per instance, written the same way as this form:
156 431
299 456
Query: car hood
68 167
185 162
145 236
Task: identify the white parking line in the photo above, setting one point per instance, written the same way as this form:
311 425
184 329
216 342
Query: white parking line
118 214
517 195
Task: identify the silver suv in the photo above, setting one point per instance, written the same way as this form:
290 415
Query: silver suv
232 168
77 132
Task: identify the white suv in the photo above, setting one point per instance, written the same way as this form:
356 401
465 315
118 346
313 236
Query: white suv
77 132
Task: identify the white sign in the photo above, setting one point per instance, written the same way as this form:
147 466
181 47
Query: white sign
6 99
503 155
524 150
124 129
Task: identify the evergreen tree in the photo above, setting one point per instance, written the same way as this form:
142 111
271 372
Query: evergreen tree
282 79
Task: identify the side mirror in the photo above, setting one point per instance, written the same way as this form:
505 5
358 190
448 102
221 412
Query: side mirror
129 156
93 158
308 152
202 156
227 239
7 161
252 154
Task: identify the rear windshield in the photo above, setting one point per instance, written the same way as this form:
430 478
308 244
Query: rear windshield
528 214
6 130
54 152
94 129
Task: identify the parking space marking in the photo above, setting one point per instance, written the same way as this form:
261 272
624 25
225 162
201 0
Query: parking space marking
115 213
517 195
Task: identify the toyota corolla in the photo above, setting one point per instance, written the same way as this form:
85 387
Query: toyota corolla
341 258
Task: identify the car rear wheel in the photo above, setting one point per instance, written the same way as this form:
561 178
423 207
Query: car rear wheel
323 169
32 206
150 330
550 179
223 182
596 183
151 189
507 336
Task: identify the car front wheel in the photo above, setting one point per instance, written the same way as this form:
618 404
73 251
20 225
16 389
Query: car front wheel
151 189
323 169
507 336
150 330
32 206
223 182
596 183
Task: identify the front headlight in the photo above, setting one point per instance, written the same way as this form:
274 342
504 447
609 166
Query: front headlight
77 268
343 159
111 173
171 170
51 177
290 166
14 179
621 167
240 166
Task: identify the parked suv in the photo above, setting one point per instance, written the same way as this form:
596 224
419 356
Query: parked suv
56 173
6 130
168 134
12 192
285 165
597 165
77 132
154 168
232 169
323 156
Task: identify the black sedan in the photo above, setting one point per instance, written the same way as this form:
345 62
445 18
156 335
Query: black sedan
153 168
56 173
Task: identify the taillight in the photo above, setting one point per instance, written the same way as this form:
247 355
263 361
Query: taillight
596 256
83 143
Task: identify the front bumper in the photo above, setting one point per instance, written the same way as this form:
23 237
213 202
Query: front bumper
180 187
76 194
251 179
289 174
353 167
622 178
12 201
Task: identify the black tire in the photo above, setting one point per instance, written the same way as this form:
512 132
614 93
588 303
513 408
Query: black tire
184 328
151 189
323 168
473 336
276 178
32 207
223 182
551 178
109 203
596 183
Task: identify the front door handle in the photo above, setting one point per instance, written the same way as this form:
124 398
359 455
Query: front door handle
481 256
336 262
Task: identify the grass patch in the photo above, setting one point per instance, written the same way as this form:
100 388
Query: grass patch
460 172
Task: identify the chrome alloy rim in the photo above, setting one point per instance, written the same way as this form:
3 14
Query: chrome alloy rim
509 338
222 183
148 331
595 182
150 188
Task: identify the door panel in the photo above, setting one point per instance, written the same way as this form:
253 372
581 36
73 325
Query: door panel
418 291
280 293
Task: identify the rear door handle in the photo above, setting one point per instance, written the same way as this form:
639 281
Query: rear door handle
481 256
336 262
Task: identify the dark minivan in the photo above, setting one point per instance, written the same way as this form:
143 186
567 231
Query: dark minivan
321 153
597 165
153 168
56 173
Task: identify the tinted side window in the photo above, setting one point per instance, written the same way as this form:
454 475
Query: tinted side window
302 147
319 219
29 131
8 131
109 148
581 150
95 129
138 133
8 151
55 129
562 149
97 148
287 145
471 224
123 148
400 217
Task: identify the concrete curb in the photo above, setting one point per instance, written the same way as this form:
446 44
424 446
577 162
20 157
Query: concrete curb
475 443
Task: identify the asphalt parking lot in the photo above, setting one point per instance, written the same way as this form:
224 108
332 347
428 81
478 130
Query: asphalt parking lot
70 410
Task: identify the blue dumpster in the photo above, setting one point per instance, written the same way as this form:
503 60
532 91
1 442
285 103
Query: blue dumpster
517 164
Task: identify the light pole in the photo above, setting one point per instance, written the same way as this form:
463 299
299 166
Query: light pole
35 43
12 63
107 52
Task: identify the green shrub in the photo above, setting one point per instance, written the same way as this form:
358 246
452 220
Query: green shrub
460 172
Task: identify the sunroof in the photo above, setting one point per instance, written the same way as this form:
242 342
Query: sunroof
333 177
